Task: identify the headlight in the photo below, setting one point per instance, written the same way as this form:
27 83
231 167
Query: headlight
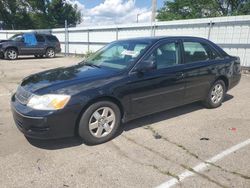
48 102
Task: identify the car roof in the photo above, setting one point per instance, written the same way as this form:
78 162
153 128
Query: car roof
46 34
157 38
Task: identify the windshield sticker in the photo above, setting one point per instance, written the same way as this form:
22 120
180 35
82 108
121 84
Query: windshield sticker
130 53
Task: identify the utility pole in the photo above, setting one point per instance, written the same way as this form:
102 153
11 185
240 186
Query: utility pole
154 5
137 18
153 9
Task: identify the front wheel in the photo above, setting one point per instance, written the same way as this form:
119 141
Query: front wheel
99 123
11 54
216 95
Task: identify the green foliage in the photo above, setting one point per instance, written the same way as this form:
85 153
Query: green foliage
88 54
189 9
38 14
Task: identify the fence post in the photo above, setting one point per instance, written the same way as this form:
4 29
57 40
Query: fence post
210 28
66 42
88 40
117 33
154 29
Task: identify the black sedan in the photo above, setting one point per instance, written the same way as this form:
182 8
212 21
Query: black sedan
124 80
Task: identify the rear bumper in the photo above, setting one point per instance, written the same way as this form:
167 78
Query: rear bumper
234 81
58 50
44 124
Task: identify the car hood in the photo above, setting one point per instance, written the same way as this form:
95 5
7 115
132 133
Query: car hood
1 41
55 79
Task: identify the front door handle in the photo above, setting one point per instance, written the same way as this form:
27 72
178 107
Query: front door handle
179 76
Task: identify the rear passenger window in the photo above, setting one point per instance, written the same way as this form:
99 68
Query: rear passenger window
40 38
195 51
52 38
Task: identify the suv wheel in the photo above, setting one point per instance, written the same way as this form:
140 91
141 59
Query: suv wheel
99 122
38 56
50 52
216 95
11 54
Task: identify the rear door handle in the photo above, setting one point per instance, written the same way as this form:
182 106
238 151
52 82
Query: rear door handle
179 76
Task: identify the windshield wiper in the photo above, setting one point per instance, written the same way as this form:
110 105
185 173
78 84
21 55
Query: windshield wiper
91 65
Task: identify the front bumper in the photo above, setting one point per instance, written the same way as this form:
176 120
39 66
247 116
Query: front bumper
44 124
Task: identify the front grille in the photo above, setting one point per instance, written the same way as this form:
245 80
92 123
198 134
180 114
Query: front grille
22 95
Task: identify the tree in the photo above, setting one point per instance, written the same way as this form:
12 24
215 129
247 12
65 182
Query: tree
188 9
38 14
14 14
59 11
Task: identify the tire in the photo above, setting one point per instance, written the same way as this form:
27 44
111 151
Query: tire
50 53
104 126
38 56
215 95
11 54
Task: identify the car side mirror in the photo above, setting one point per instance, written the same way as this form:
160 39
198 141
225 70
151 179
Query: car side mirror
146 66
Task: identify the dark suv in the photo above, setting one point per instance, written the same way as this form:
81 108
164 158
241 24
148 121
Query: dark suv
30 44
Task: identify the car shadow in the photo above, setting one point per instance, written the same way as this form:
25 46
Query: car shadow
55 144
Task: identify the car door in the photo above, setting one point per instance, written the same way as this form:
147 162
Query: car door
200 60
29 44
18 41
161 88
41 44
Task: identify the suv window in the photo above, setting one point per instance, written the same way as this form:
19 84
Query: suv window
52 38
166 55
17 38
196 51
40 38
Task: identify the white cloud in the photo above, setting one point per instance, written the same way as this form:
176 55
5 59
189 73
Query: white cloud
113 12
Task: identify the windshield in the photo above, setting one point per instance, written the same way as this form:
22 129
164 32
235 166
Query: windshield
17 37
118 55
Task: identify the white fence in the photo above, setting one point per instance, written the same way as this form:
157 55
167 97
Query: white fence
231 33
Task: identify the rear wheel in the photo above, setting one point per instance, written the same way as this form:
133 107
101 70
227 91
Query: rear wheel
216 95
11 54
50 53
99 122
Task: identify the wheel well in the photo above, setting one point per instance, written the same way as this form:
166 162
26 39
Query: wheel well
12 47
224 79
103 98
49 48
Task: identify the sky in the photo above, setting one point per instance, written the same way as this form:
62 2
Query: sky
108 12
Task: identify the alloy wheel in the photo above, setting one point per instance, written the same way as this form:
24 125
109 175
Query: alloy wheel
12 54
217 93
102 122
51 53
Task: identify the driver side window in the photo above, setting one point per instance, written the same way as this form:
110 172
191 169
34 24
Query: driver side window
18 38
166 55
